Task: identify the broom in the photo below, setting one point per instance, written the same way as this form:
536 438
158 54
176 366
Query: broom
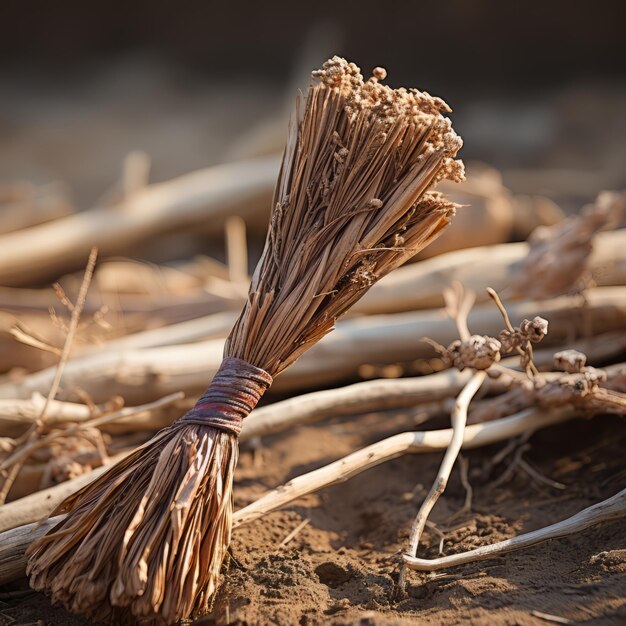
145 542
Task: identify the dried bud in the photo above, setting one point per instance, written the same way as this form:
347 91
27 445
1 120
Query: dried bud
570 361
379 73
595 376
375 203
534 330
571 388
478 352
529 331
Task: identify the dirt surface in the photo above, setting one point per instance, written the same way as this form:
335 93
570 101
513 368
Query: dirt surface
341 566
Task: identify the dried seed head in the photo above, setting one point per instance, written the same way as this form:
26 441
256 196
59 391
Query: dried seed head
534 330
355 203
379 73
387 106
570 388
529 331
479 352
571 361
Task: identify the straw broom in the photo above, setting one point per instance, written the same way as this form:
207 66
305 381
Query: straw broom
144 543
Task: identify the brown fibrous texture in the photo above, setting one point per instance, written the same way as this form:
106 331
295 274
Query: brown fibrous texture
145 542
352 203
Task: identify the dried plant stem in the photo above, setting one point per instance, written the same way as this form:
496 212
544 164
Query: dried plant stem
17 415
610 509
142 375
419 285
207 196
13 543
409 442
237 251
531 368
459 420
36 428
216 325
20 455
372 395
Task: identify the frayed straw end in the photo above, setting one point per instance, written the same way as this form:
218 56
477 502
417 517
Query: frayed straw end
145 542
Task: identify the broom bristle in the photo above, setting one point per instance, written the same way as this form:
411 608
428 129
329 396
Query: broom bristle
351 204
148 538
145 542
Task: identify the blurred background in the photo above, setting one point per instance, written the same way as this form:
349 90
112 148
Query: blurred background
538 89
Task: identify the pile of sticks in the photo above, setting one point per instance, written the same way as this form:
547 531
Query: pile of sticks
92 367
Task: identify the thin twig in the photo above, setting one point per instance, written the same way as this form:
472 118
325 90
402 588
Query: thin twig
459 303
555 619
294 532
532 369
459 420
469 491
611 509
23 453
36 428
538 476
237 250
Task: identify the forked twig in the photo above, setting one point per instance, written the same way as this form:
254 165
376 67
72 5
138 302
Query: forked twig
531 368
459 305
459 420
611 509
36 428
19 456
474 436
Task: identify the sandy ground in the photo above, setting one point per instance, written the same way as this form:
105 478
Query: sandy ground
340 568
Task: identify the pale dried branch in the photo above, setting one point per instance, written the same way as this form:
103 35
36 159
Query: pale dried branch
608 510
206 196
237 252
141 375
558 255
13 543
419 285
459 420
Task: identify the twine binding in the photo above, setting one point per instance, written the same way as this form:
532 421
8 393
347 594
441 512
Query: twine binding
234 391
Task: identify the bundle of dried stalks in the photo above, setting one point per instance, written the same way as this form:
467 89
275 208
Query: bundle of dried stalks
145 542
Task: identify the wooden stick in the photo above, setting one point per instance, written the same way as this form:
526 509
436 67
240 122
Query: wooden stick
17 415
207 196
610 509
420 285
237 251
459 420
163 308
213 326
146 374
23 205
14 542
475 436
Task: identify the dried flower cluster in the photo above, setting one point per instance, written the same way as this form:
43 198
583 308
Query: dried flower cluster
352 204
